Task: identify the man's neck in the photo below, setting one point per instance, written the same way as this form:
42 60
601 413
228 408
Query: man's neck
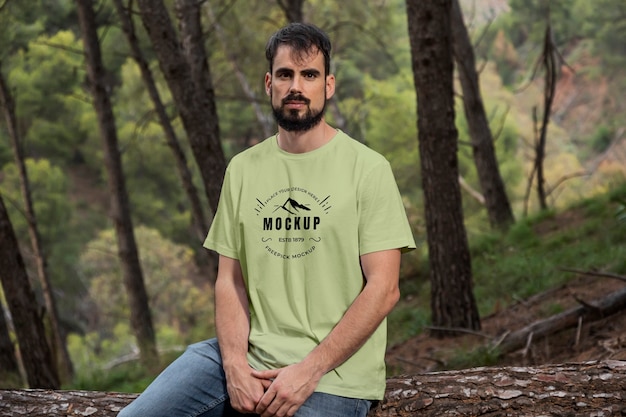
301 142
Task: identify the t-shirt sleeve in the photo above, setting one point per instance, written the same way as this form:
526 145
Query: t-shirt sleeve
383 223
222 237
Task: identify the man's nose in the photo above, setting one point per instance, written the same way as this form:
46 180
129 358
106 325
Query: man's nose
296 85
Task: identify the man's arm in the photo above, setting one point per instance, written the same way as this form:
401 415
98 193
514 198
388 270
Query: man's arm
232 324
293 384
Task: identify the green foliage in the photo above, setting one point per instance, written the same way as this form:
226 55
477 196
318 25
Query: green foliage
157 195
618 196
45 79
61 232
169 273
103 366
529 19
605 22
405 321
601 139
181 301
48 187
387 125
480 356
529 257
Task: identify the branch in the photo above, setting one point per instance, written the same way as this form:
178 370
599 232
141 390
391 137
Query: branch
472 192
595 273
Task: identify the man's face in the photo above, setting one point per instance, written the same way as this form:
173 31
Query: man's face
298 89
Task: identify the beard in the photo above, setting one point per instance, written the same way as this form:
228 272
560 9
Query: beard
291 121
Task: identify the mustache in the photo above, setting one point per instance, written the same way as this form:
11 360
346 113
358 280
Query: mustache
296 97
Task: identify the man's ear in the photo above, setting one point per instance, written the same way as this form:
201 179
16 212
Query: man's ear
268 83
330 86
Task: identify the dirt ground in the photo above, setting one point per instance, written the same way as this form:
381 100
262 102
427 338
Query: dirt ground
601 339
604 338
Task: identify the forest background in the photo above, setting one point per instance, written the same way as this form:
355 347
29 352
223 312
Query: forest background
42 60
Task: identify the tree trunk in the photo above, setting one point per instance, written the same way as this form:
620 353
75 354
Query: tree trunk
140 319
31 336
496 201
292 9
9 368
200 224
550 67
196 106
62 357
452 299
577 389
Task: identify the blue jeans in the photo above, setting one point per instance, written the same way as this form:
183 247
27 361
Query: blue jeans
194 385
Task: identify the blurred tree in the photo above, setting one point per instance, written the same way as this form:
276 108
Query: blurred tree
528 19
452 300
141 320
47 106
388 126
9 369
35 352
200 225
605 22
262 117
179 299
292 9
496 200
187 73
62 358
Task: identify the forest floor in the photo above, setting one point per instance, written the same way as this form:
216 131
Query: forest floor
597 340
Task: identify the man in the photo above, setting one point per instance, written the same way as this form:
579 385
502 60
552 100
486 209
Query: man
309 229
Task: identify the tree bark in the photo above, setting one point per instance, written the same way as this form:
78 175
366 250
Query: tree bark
576 389
452 299
35 352
45 403
585 389
140 319
496 201
8 360
196 106
200 224
292 9
550 67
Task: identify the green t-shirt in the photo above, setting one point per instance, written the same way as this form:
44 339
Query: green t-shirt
298 223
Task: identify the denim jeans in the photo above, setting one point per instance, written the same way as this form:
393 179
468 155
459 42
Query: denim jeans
194 385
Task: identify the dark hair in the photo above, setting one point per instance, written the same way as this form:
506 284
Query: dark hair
303 38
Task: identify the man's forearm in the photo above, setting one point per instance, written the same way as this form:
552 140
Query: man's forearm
232 321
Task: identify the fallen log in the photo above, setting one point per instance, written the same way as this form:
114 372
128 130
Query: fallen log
577 389
596 388
49 403
591 311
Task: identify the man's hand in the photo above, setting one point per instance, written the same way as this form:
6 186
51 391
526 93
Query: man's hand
244 389
290 387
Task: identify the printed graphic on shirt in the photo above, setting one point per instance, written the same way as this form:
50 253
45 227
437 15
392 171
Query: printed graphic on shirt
292 220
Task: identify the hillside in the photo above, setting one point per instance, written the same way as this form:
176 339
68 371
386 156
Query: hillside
601 339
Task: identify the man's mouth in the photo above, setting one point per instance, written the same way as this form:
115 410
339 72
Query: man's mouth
295 101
